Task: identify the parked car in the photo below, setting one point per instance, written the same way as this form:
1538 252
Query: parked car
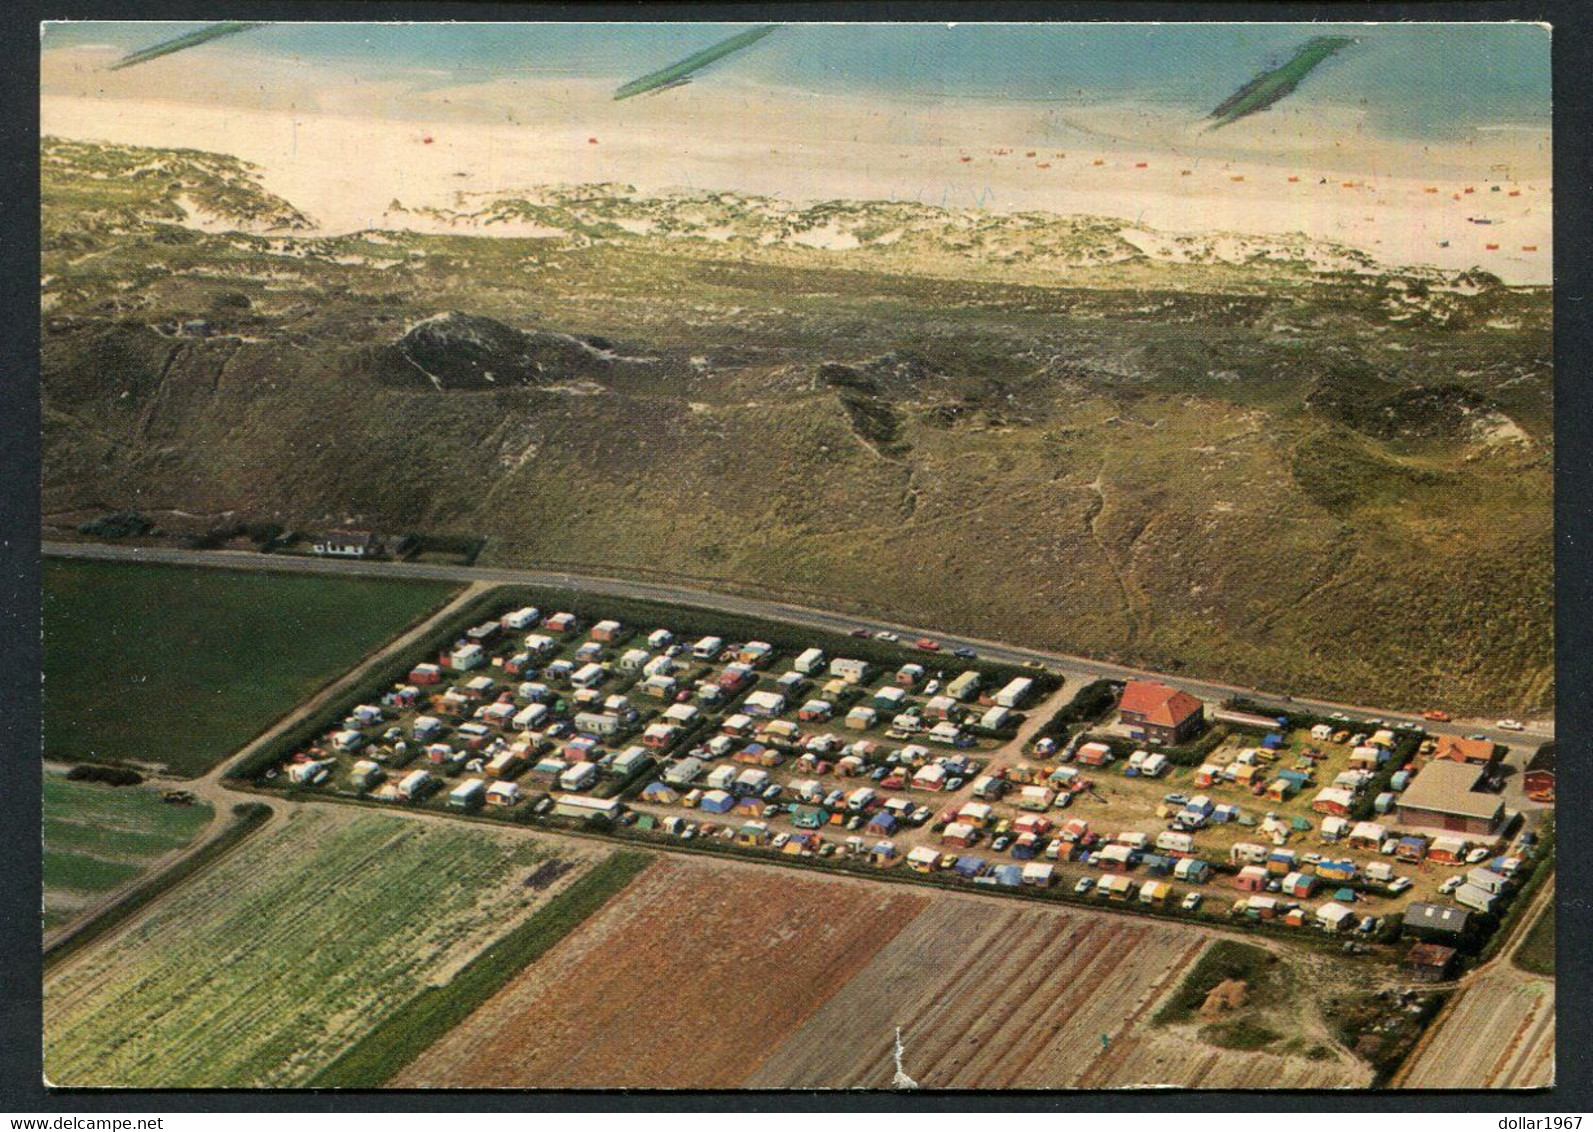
1449 886
779 840
1191 902
1399 884
1477 856
999 845
953 785
1084 885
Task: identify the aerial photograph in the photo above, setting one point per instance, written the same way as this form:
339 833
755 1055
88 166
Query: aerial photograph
797 556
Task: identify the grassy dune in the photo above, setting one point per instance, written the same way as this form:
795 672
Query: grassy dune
1259 471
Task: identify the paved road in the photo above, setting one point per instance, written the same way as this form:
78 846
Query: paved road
1074 667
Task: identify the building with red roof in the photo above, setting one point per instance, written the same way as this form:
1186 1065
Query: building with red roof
1155 713
1477 752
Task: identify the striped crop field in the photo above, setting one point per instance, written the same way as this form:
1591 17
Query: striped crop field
261 970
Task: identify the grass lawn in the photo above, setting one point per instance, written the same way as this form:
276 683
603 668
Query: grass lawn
1225 959
97 838
162 664
1537 950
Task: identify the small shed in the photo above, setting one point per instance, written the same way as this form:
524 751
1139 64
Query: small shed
1251 878
1334 917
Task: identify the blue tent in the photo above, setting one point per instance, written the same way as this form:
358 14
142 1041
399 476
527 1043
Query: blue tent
968 867
1157 865
1345 896
1273 741
1010 876
882 822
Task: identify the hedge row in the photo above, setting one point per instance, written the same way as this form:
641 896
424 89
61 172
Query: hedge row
1089 705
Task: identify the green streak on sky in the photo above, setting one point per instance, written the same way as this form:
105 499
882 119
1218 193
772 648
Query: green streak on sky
184 42
1277 84
677 73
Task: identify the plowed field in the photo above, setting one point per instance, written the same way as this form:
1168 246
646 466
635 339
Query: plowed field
995 996
688 980
1498 1035
724 975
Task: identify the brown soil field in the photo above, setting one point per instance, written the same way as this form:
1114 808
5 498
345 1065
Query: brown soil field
1003 997
688 980
1499 1034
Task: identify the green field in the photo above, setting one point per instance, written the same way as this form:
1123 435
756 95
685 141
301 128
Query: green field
424 1020
1537 950
165 665
261 970
97 838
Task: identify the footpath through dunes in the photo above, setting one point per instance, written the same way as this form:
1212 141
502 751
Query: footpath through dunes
994 997
687 980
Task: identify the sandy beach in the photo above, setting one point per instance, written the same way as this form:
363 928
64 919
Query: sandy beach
343 150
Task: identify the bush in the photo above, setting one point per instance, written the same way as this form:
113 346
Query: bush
110 775
1193 754
122 524
1090 704
1225 959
